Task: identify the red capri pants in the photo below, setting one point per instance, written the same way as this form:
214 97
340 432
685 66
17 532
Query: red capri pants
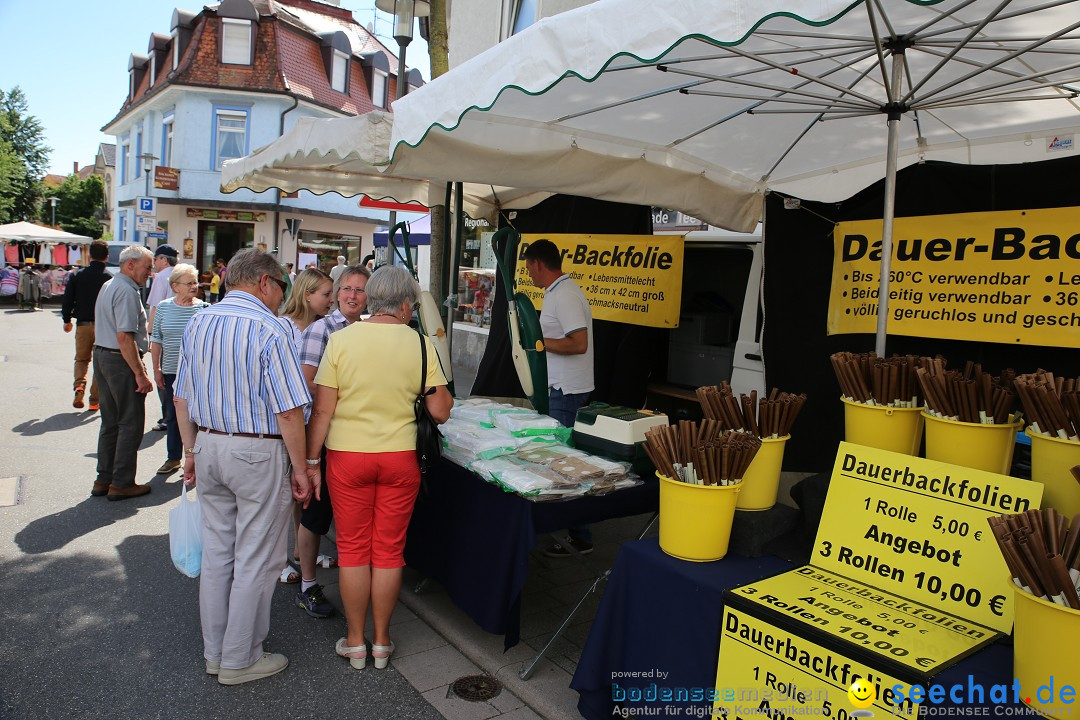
373 496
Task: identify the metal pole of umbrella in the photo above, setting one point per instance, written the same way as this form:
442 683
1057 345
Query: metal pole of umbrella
890 206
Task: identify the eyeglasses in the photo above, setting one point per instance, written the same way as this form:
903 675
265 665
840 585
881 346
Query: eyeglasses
352 291
280 283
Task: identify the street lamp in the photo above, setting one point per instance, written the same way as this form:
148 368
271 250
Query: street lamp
148 165
404 11
52 201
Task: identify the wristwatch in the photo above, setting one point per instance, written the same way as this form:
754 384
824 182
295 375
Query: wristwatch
314 461
189 451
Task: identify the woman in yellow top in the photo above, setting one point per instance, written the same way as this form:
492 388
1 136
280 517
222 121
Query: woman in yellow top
365 387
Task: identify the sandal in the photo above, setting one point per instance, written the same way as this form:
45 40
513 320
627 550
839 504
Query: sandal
382 661
160 426
327 561
289 575
357 655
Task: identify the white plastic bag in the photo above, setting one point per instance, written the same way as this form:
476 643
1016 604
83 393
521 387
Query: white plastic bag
185 535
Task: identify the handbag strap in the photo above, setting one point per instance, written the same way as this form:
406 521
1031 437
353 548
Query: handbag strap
423 364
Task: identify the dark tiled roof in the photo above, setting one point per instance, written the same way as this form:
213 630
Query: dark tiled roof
288 58
108 151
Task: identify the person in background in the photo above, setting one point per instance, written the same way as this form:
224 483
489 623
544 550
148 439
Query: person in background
366 421
240 399
566 322
120 342
80 296
335 272
351 297
215 285
160 289
310 300
221 269
167 331
290 271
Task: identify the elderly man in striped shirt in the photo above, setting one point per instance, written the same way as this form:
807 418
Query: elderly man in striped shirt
240 398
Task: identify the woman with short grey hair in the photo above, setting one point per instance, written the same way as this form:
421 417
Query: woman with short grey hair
366 421
389 288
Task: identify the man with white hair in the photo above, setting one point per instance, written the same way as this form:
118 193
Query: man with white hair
120 341
335 272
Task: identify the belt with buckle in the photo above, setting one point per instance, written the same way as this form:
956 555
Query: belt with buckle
260 436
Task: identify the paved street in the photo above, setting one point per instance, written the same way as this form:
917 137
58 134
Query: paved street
96 622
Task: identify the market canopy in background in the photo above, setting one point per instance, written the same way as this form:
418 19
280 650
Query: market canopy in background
348 156
29 232
704 106
419 234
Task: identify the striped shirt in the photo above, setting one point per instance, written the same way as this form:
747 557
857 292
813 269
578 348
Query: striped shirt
238 367
170 320
313 341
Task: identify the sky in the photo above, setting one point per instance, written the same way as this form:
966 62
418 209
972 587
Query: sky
70 59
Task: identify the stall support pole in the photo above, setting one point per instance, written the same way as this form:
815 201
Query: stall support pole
889 210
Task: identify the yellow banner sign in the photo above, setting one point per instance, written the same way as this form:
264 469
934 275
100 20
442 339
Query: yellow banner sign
917 528
635 279
1008 277
921 638
768 672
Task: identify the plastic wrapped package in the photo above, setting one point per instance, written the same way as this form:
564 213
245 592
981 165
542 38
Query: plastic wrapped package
459 456
483 411
492 469
526 423
483 442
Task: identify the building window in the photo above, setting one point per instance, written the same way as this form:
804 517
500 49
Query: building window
125 146
526 15
122 227
167 140
175 49
235 41
138 151
340 74
230 135
153 67
378 89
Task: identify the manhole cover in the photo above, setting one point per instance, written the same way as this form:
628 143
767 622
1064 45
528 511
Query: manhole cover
476 688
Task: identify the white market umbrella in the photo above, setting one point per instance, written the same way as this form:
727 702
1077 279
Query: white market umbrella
702 107
29 232
348 156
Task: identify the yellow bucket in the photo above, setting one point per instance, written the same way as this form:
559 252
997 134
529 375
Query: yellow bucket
695 520
886 428
973 445
1051 459
1039 627
762 481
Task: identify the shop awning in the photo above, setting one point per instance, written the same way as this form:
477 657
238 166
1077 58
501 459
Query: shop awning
29 232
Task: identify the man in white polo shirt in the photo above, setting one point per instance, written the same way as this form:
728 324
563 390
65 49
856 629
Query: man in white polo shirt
566 322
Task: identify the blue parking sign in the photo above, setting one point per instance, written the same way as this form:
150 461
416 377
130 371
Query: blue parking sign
146 206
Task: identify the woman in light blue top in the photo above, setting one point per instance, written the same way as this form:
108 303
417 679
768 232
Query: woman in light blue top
170 319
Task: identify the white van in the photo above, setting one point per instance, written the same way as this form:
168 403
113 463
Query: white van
721 319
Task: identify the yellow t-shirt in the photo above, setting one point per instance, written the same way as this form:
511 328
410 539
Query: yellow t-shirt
215 283
376 370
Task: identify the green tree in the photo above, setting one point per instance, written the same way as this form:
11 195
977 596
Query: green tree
23 157
77 205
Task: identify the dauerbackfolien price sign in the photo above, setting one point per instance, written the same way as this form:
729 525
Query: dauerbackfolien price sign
918 528
634 279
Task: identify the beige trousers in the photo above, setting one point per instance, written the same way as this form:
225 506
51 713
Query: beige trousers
246 499
84 350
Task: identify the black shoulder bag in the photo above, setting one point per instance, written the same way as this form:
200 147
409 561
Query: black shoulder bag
428 437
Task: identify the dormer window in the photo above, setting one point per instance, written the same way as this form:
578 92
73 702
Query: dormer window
137 65
235 41
183 24
238 18
159 45
340 71
377 74
336 53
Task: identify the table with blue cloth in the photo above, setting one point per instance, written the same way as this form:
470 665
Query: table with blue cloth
663 614
474 538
